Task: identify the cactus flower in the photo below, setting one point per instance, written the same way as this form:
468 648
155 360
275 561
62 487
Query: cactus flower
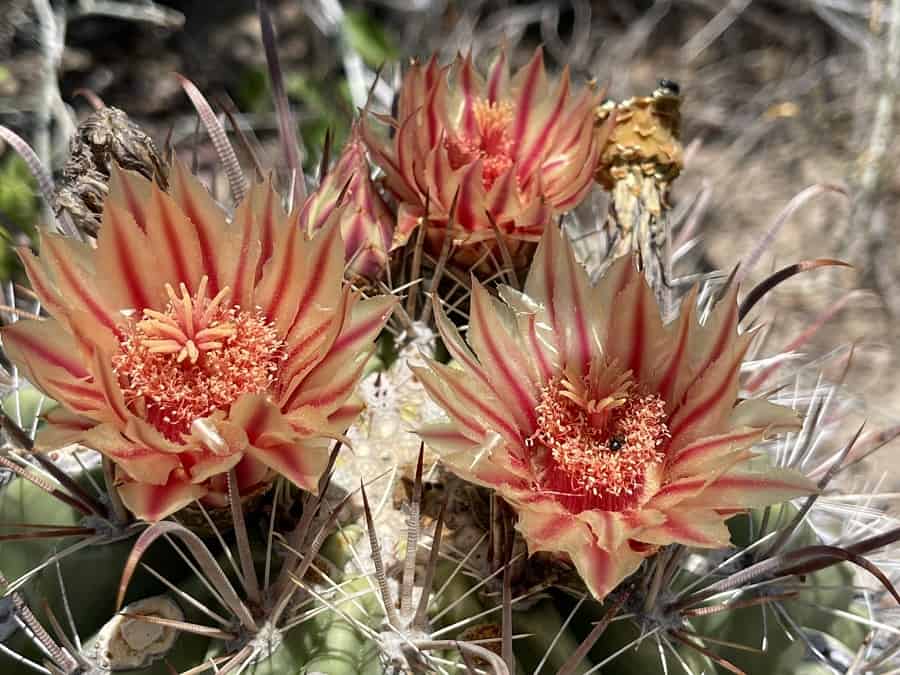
513 150
609 433
186 345
348 193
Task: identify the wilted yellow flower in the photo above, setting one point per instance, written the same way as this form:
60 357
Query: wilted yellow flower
516 150
186 345
609 433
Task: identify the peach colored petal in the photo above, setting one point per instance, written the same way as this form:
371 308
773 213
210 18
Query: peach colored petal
155 502
62 427
558 282
198 206
341 419
601 569
707 454
122 270
302 279
239 260
537 333
175 244
139 462
385 159
480 462
764 415
42 282
707 404
273 442
502 357
131 192
71 264
468 402
328 384
203 466
634 333
739 489
702 528
456 346
48 357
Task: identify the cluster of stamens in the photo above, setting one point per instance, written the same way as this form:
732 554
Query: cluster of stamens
598 452
198 356
492 144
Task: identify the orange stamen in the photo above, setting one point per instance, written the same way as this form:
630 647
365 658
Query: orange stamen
492 144
198 356
598 450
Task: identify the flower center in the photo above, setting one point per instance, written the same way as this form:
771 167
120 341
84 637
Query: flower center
197 356
492 143
599 452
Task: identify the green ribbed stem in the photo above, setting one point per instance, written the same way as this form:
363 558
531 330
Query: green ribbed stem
830 588
91 575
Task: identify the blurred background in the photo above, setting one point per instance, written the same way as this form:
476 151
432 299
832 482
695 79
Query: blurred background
789 118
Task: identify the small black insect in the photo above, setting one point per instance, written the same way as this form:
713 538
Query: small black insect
671 86
617 442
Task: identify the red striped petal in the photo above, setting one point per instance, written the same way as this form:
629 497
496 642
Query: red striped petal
241 259
72 265
560 284
42 282
744 489
458 410
707 405
702 528
386 159
498 79
273 442
174 244
634 329
471 85
708 453
155 502
340 367
130 191
302 280
537 140
528 84
140 463
477 405
44 343
459 350
602 570
472 460
207 220
536 333
502 358
62 428
122 256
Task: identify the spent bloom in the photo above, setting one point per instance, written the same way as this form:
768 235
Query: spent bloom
608 432
186 345
513 149
348 194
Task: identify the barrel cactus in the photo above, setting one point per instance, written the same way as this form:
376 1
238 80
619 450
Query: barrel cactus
416 421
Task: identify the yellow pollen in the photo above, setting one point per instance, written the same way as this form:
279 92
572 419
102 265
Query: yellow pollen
492 143
198 356
598 450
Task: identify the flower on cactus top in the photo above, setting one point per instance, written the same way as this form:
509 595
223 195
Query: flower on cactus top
187 345
608 432
348 194
513 149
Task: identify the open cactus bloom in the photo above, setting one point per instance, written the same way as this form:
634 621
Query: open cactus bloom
348 194
515 150
609 433
187 345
